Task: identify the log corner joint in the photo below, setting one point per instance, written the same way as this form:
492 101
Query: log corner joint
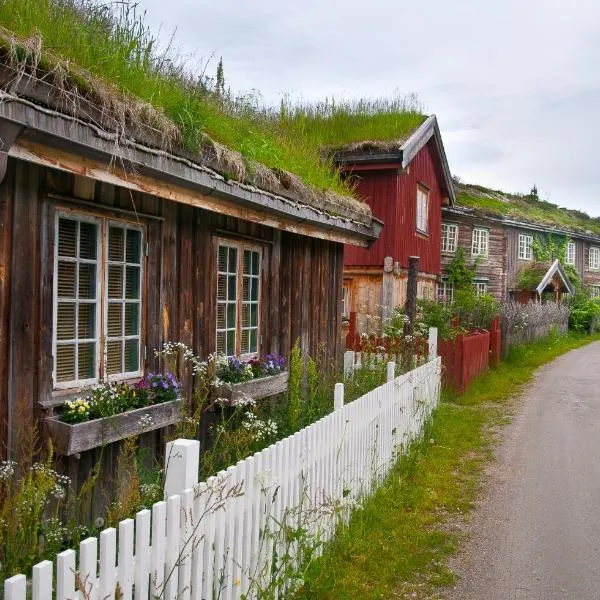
9 132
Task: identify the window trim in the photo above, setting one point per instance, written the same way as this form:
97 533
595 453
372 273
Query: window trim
568 260
596 253
446 285
421 189
487 241
595 290
346 300
240 245
447 225
527 246
481 281
102 221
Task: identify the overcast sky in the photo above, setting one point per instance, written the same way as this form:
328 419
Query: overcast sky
515 84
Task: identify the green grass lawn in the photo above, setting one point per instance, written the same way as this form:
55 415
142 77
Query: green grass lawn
396 546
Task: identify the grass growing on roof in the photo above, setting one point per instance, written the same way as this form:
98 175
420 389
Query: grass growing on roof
397 544
112 42
526 208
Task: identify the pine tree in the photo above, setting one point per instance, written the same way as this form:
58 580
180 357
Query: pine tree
220 84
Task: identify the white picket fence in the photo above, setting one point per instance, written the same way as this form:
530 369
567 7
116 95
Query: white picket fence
234 533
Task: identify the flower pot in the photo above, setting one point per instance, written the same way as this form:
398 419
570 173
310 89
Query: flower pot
255 388
69 439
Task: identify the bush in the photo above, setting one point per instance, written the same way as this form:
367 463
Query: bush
585 312
474 311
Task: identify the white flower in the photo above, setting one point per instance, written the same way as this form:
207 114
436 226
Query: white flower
7 469
145 421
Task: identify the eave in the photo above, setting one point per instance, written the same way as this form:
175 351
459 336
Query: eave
63 142
555 268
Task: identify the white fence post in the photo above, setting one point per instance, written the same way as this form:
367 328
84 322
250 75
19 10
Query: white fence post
433 335
182 461
349 358
391 371
338 396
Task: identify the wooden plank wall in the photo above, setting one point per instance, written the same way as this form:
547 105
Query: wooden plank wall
301 287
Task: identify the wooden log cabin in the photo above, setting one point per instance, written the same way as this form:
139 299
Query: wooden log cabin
111 245
405 183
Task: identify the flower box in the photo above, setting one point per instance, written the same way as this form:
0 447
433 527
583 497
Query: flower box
255 388
69 439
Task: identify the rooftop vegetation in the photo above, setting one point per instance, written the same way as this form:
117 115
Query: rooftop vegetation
529 208
109 46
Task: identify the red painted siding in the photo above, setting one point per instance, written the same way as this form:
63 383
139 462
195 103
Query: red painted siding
392 197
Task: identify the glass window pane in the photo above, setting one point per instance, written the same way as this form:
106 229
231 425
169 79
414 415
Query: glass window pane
245 341
247 282
132 318
132 283
247 262
114 319
245 315
223 258
221 323
65 363
221 338
255 263
231 315
253 338
87 361
133 251
232 260
86 321
254 315
222 287
254 290
132 355
230 343
115 281
114 357
232 292
87 280
65 321
67 237
116 244
88 240
67 275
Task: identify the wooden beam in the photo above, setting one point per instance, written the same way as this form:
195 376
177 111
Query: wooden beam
8 134
30 151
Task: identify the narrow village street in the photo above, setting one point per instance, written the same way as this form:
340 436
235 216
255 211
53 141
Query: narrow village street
536 532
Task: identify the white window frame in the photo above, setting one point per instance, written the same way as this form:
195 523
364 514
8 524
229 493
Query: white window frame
422 209
449 237
346 299
240 247
594 258
445 291
481 286
571 254
101 332
595 290
480 241
525 246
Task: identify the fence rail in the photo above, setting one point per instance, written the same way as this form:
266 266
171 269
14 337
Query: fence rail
239 532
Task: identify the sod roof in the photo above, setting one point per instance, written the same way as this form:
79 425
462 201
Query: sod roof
105 67
524 208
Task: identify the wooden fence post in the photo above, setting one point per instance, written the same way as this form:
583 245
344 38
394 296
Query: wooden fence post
433 335
459 374
410 306
495 342
338 396
391 371
182 460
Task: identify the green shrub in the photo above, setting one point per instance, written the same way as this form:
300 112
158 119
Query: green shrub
585 312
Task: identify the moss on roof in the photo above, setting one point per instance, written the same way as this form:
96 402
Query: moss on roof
527 208
106 56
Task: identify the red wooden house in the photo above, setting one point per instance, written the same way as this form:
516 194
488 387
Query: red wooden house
405 184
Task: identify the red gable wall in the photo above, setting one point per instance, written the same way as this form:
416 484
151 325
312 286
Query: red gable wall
392 197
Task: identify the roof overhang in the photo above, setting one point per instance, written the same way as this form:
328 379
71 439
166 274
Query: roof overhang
555 268
405 154
53 139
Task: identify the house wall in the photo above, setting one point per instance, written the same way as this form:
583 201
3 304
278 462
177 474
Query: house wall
392 197
590 276
301 284
490 268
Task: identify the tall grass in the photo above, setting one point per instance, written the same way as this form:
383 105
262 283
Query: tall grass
112 42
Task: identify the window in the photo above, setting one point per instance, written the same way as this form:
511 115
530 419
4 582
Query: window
525 247
480 287
449 237
570 258
346 302
595 291
98 300
422 202
480 242
238 298
594 258
445 291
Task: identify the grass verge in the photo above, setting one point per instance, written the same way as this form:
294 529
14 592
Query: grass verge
397 544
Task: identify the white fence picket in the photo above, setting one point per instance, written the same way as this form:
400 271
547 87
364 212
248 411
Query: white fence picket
210 542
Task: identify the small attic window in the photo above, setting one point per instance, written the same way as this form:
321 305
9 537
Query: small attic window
422 209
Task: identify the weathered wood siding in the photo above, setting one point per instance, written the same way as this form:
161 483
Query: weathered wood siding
301 284
392 197
490 268
590 276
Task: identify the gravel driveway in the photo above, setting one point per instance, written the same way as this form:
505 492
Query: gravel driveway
536 532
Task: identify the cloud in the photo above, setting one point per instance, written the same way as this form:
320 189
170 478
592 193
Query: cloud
512 83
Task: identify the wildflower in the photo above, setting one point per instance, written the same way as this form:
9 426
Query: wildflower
145 421
7 469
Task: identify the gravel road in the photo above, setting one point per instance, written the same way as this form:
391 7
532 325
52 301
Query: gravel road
536 532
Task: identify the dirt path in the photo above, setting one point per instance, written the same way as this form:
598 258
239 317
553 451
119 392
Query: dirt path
536 533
